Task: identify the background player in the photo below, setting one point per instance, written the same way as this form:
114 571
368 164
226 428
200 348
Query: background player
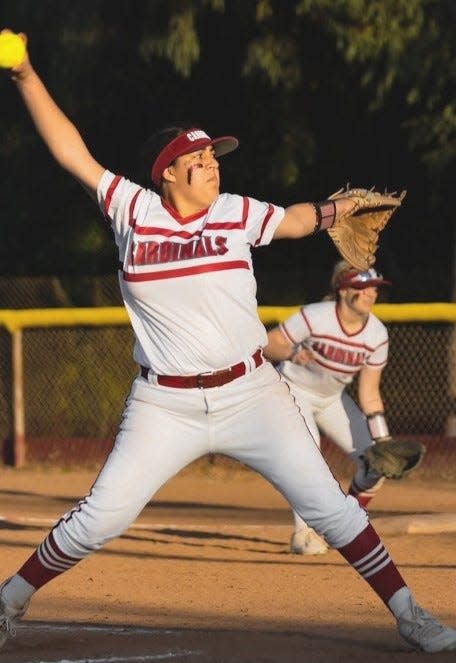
202 386
321 349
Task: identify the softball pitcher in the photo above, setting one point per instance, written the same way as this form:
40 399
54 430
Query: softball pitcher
321 349
202 385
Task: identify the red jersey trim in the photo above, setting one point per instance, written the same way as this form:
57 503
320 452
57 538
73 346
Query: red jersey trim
306 320
186 271
225 225
342 327
182 219
212 225
245 210
327 337
131 217
335 369
284 331
287 333
265 223
378 364
232 225
109 194
166 232
342 341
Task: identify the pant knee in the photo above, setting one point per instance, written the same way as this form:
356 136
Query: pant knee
342 525
79 536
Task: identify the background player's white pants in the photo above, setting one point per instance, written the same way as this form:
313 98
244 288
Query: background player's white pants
252 419
339 418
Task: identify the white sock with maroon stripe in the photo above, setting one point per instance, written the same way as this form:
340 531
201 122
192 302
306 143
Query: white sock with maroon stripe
368 556
47 562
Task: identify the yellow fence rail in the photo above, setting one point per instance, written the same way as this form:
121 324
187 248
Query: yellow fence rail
13 319
72 367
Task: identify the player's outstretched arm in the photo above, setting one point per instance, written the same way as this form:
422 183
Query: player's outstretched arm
58 132
304 219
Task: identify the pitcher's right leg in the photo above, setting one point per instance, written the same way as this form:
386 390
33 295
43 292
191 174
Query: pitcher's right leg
154 442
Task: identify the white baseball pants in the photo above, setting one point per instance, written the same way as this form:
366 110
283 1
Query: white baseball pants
252 419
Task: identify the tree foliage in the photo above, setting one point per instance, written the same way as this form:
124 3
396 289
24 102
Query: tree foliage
320 92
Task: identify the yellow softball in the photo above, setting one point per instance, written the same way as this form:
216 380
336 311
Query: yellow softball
12 50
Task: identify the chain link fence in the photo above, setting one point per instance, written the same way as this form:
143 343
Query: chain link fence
52 291
75 380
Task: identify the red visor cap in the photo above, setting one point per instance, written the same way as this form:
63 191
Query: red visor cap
360 280
190 141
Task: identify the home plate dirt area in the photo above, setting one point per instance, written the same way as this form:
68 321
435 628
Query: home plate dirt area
205 575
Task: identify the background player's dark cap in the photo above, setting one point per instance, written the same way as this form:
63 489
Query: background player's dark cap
360 280
186 142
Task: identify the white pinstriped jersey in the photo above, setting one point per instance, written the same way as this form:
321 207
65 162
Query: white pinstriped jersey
337 355
188 283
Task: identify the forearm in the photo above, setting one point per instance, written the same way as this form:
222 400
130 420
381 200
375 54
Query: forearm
371 403
278 347
58 133
304 219
369 395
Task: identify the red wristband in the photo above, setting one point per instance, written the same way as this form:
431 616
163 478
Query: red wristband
325 213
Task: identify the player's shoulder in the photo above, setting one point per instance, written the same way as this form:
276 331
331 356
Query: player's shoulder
319 309
234 200
240 208
318 315
376 326
116 184
227 203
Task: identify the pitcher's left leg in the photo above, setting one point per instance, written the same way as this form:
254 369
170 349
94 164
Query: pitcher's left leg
273 438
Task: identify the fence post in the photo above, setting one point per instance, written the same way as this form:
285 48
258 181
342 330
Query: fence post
18 400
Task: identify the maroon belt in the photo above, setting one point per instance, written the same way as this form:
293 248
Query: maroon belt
205 380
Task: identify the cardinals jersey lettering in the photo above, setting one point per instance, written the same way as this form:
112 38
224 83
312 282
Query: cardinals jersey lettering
336 355
154 253
188 283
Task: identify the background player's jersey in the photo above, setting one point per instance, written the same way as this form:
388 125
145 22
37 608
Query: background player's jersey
337 355
188 283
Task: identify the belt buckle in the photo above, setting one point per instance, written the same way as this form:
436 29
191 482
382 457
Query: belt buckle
200 378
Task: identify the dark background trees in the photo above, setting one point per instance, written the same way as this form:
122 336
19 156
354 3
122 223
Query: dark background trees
320 93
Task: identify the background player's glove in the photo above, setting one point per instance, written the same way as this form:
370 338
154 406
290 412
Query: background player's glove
394 459
356 233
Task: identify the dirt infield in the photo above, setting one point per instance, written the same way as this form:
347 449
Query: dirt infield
205 575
